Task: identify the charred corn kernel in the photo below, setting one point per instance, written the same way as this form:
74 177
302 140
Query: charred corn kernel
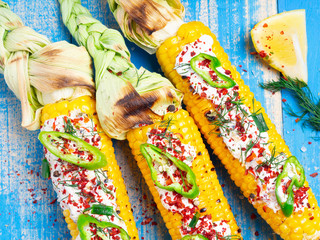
211 195
87 105
289 228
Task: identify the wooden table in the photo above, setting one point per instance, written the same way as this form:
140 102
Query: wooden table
28 207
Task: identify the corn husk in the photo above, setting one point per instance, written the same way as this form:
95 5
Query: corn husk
126 97
148 23
40 72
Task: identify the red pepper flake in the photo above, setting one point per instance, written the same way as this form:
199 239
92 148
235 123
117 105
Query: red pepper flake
297 120
222 185
253 53
154 224
282 32
314 174
265 25
244 70
284 100
147 221
253 216
309 143
35 201
311 218
240 66
256 233
262 54
53 201
264 208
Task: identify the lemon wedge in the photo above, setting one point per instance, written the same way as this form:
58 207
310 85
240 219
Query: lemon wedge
281 40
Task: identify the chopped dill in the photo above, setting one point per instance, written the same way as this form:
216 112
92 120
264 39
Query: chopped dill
68 127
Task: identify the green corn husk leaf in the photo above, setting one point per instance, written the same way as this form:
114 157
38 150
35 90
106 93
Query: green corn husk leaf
39 72
126 97
148 23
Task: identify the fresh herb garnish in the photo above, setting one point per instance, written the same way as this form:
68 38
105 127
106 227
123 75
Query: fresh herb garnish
194 220
273 161
102 209
45 169
310 106
68 127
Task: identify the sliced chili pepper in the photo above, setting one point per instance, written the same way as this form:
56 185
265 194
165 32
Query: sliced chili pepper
83 224
286 200
222 80
194 237
152 153
98 158
194 220
102 209
45 169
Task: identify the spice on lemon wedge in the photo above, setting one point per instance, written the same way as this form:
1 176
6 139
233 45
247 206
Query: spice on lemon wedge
281 40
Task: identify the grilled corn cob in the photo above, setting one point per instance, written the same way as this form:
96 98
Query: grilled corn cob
86 105
211 196
202 209
28 62
300 225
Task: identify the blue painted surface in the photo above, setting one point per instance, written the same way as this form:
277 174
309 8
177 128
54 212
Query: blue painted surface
26 212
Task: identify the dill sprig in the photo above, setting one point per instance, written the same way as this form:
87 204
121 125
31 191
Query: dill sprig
310 106
273 161
68 127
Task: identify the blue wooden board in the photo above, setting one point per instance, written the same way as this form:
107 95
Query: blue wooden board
27 203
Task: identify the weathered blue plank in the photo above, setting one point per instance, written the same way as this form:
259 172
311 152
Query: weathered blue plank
26 212
23 218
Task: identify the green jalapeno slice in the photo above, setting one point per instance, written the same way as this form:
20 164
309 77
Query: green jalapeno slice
52 140
218 80
152 153
292 169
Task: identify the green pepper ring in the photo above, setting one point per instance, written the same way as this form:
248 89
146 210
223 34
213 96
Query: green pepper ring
99 159
194 237
287 207
84 221
228 82
191 178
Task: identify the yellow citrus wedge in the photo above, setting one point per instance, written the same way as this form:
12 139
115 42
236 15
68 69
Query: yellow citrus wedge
281 40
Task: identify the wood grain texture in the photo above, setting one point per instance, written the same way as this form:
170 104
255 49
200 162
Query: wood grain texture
26 212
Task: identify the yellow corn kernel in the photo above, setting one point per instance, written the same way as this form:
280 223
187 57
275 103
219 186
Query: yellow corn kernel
197 107
87 105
